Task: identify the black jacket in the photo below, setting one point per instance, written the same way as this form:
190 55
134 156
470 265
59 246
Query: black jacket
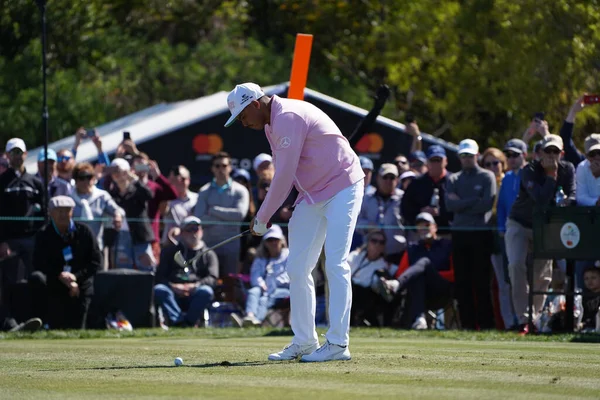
539 190
418 195
206 270
20 196
135 203
48 256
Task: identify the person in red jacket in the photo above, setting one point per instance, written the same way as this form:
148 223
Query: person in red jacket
162 190
426 272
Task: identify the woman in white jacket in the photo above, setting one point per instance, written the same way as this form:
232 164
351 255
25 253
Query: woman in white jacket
364 264
268 278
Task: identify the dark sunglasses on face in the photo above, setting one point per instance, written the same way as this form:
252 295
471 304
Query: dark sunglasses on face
510 154
551 150
489 164
84 177
389 177
63 158
594 153
465 155
377 241
435 159
16 152
192 229
220 166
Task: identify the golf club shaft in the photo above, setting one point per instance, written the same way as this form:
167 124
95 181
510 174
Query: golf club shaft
231 239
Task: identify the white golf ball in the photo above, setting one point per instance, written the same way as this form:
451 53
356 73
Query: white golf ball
178 362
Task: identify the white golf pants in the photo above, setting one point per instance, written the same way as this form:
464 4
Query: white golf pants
331 222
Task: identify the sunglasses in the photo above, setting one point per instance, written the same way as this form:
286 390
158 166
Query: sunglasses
16 152
489 164
465 155
220 166
84 177
389 177
435 159
551 150
272 240
510 154
63 158
594 153
377 241
192 229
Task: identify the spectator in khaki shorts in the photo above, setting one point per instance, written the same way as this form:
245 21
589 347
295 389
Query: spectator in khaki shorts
540 181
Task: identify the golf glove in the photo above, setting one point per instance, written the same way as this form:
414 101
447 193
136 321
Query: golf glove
259 228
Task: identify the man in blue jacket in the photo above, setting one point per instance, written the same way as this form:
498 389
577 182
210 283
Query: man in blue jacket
516 156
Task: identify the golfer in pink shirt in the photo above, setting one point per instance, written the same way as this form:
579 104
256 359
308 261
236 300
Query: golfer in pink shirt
309 152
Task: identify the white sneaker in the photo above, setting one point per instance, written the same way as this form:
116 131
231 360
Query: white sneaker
293 351
328 352
420 324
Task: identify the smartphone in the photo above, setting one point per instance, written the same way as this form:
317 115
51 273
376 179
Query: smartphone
539 116
591 99
90 132
126 135
141 168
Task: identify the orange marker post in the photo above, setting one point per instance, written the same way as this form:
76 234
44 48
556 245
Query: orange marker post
300 66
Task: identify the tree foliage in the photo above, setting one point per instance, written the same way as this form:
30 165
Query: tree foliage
479 68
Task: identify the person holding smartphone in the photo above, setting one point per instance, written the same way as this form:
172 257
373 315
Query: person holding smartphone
572 154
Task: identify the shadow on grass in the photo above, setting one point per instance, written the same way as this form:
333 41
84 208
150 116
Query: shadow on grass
280 332
222 364
586 338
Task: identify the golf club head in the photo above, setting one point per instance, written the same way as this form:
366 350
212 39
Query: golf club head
179 259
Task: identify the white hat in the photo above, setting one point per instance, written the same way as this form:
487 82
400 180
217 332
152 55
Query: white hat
274 232
61 201
468 146
121 164
190 220
240 97
552 141
388 168
261 158
15 143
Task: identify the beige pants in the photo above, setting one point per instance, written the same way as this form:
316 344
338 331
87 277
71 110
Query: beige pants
519 242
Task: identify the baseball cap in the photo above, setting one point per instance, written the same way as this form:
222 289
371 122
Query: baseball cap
552 141
240 97
241 172
121 164
274 232
407 174
366 163
261 158
61 201
425 216
417 155
537 146
388 168
51 155
592 142
516 145
190 220
435 151
468 146
16 143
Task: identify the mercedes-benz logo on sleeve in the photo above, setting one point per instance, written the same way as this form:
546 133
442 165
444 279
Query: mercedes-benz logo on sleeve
284 142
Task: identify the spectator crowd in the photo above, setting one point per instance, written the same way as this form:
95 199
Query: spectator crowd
428 242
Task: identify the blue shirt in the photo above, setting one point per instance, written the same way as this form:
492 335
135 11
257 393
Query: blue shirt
509 191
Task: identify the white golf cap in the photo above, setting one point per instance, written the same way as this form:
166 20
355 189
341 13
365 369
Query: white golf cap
15 143
240 97
274 232
261 158
190 220
468 146
61 202
121 164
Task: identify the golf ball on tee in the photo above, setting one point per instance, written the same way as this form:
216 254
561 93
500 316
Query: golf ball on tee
178 362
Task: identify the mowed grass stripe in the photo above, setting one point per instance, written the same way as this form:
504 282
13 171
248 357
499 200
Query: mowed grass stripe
434 368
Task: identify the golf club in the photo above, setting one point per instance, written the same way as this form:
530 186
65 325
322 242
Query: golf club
179 259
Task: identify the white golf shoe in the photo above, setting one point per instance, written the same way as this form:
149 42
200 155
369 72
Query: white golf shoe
328 352
293 351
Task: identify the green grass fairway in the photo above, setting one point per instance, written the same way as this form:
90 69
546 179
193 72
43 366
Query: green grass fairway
225 364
